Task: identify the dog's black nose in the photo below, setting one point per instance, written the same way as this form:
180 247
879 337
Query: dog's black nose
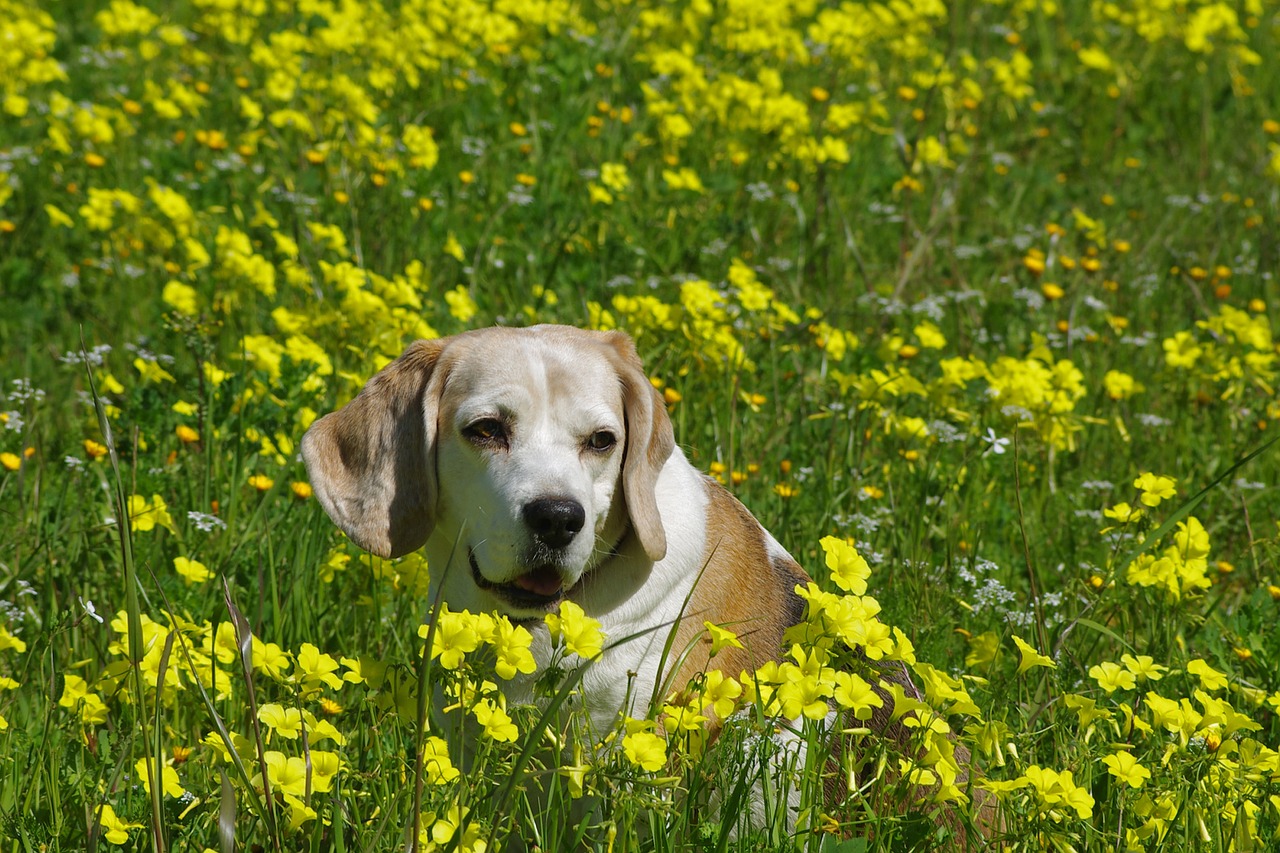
555 521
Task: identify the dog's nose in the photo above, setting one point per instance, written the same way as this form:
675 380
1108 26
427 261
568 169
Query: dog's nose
555 521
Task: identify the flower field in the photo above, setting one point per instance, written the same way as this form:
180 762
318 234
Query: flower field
971 304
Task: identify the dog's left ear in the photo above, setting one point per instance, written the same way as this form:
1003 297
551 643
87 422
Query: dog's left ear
650 441
373 463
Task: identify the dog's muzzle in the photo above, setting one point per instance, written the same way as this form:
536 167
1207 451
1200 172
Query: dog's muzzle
541 588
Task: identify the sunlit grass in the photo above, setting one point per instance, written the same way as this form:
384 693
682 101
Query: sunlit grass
982 292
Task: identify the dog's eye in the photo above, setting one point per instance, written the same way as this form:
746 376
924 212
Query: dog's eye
486 431
602 440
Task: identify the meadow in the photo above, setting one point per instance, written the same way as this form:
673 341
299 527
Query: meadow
969 302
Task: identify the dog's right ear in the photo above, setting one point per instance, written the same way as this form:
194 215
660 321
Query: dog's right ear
372 463
650 442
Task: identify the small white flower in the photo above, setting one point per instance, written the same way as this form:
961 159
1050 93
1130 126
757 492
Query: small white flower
997 443
90 610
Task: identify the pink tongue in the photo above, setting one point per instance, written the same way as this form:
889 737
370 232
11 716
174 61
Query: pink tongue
544 581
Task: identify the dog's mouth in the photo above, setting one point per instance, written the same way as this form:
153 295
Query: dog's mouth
541 588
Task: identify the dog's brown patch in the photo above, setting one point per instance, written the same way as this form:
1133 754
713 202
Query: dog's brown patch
743 588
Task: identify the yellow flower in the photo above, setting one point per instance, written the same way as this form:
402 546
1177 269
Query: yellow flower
214 374
144 515
676 126
10 461
1124 513
582 635
115 830
930 336
1191 539
1155 488
1031 657
1094 57
15 105
181 298
192 572
316 668
288 774
720 693
511 649
854 693
804 693
1112 677
300 490
848 568
1086 708
261 482
453 249
598 194
455 636
152 371
1143 666
461 305
270 659
93 711
1181 350
497 724
60 219
615 177
1120 385
145 769
186 434
435 762
721 637
645 750
8 641
1166 713
683 179
423 152
1055 788
1210 678
983 649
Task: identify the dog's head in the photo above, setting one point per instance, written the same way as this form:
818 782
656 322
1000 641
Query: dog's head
528 454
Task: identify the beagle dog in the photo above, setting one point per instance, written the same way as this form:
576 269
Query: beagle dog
538 465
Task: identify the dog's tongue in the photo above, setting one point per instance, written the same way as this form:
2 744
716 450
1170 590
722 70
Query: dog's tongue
544 581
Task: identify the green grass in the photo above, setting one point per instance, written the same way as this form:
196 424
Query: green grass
882 262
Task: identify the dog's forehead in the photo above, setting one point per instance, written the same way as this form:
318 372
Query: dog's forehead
517 369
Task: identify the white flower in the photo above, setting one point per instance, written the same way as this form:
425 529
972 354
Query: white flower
997 443
90 610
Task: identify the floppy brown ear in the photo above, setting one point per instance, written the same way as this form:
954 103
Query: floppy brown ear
650 441
372 463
